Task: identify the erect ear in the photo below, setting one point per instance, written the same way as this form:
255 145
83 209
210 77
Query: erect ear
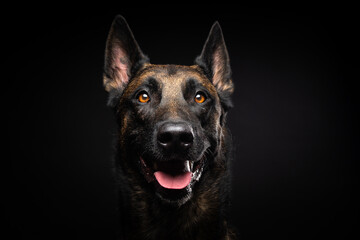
215 62
123 56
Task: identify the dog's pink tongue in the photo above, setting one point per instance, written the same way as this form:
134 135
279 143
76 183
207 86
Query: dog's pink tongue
179 181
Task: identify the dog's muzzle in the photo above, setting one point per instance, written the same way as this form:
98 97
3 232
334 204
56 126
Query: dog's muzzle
173 168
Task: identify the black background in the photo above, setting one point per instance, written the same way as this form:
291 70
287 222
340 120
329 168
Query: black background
294 124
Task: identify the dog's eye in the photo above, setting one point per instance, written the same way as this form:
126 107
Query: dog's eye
200 97
143 97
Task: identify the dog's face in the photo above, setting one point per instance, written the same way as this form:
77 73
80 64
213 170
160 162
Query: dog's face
170 117
171 121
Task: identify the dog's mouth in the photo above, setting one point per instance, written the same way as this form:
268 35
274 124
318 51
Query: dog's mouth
174 174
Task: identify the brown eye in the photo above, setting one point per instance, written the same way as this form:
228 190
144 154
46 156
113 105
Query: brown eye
143 97
200 97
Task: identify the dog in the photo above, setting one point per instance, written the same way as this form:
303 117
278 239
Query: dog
172 146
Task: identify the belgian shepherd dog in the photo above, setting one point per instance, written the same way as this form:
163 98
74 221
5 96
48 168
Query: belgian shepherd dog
172 146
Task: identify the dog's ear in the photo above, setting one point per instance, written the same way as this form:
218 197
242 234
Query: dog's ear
215 62
123 56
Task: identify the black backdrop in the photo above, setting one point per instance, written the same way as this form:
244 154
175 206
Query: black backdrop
295 123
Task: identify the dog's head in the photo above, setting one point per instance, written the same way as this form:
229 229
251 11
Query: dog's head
170 117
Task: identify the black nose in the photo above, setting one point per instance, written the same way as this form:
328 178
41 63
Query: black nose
175 137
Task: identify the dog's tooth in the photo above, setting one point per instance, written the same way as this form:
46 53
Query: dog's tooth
188 166
191 165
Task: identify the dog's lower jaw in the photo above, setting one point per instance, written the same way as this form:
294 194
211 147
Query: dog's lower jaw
175 203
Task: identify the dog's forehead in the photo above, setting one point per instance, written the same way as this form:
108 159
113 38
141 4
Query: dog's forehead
173 77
